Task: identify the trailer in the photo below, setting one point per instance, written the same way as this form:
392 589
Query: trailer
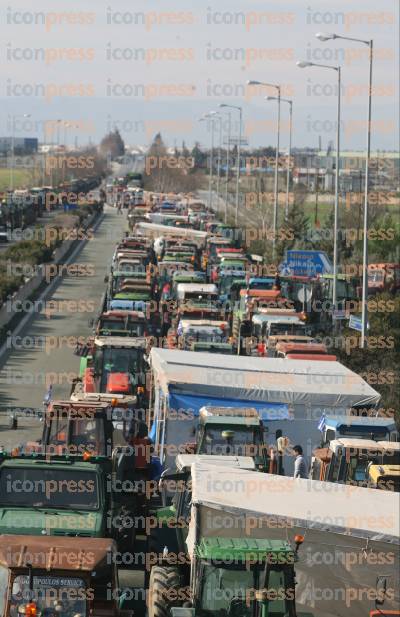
289 396
349 561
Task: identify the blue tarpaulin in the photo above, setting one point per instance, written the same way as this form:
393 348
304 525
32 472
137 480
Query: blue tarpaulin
192 404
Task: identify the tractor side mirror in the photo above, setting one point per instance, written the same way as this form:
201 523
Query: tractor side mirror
106 279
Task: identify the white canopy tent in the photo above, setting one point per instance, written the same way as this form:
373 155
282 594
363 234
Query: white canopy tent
155 230
352 534
299 391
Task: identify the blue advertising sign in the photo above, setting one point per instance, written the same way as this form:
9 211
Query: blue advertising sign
306 263
355 323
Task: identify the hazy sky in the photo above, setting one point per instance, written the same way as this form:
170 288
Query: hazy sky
149 66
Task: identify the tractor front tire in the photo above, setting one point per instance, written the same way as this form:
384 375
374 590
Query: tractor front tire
164 586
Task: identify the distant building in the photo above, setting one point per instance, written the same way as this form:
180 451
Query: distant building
314 168
22 145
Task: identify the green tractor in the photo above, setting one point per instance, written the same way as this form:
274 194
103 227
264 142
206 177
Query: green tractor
234 431
64 495
197 575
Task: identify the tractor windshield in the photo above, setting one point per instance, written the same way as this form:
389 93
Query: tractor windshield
240 441
60 488
286 328
231 593
52 595
117 360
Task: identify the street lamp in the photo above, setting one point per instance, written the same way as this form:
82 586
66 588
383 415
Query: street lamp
325 36
275 217
275 98
218 117
204 119
228 113
239 109
303 64
13 148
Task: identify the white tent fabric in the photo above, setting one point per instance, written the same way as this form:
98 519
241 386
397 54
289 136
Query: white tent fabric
261 379
154 230
334 508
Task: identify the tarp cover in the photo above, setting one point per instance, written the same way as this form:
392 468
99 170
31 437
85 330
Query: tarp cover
337 508
192 404
168 230
351 533
274 380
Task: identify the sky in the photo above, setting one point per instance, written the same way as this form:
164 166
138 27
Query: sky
152 66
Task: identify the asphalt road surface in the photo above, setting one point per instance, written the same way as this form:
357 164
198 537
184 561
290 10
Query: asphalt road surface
43 351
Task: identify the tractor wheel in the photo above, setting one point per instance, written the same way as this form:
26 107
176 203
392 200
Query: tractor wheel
164 586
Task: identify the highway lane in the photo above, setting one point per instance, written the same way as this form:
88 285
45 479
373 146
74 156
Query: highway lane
44 350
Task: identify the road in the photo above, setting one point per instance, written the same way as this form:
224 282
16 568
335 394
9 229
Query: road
26 372
43 352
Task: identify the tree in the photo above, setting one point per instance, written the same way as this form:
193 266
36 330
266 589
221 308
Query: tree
199 157
112 144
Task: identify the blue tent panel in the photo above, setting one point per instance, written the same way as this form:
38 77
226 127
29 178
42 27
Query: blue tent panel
191 404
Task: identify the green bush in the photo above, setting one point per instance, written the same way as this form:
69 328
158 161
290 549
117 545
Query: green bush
29 252
8 285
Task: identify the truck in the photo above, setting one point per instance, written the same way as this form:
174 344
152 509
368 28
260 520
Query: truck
48 576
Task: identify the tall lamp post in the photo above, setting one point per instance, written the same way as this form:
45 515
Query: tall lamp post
13 148
227 164
239 109
204 119
302 65
275 216
323 36
275 98
218 117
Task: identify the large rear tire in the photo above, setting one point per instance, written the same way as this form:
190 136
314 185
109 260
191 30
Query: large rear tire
164 586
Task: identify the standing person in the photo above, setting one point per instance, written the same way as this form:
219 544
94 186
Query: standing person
300 465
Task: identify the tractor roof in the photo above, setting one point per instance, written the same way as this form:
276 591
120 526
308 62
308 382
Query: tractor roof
55 553
243 416
233 550
119 341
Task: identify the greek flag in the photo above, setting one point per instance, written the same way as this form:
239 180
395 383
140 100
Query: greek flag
48 396
179 330
322 423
